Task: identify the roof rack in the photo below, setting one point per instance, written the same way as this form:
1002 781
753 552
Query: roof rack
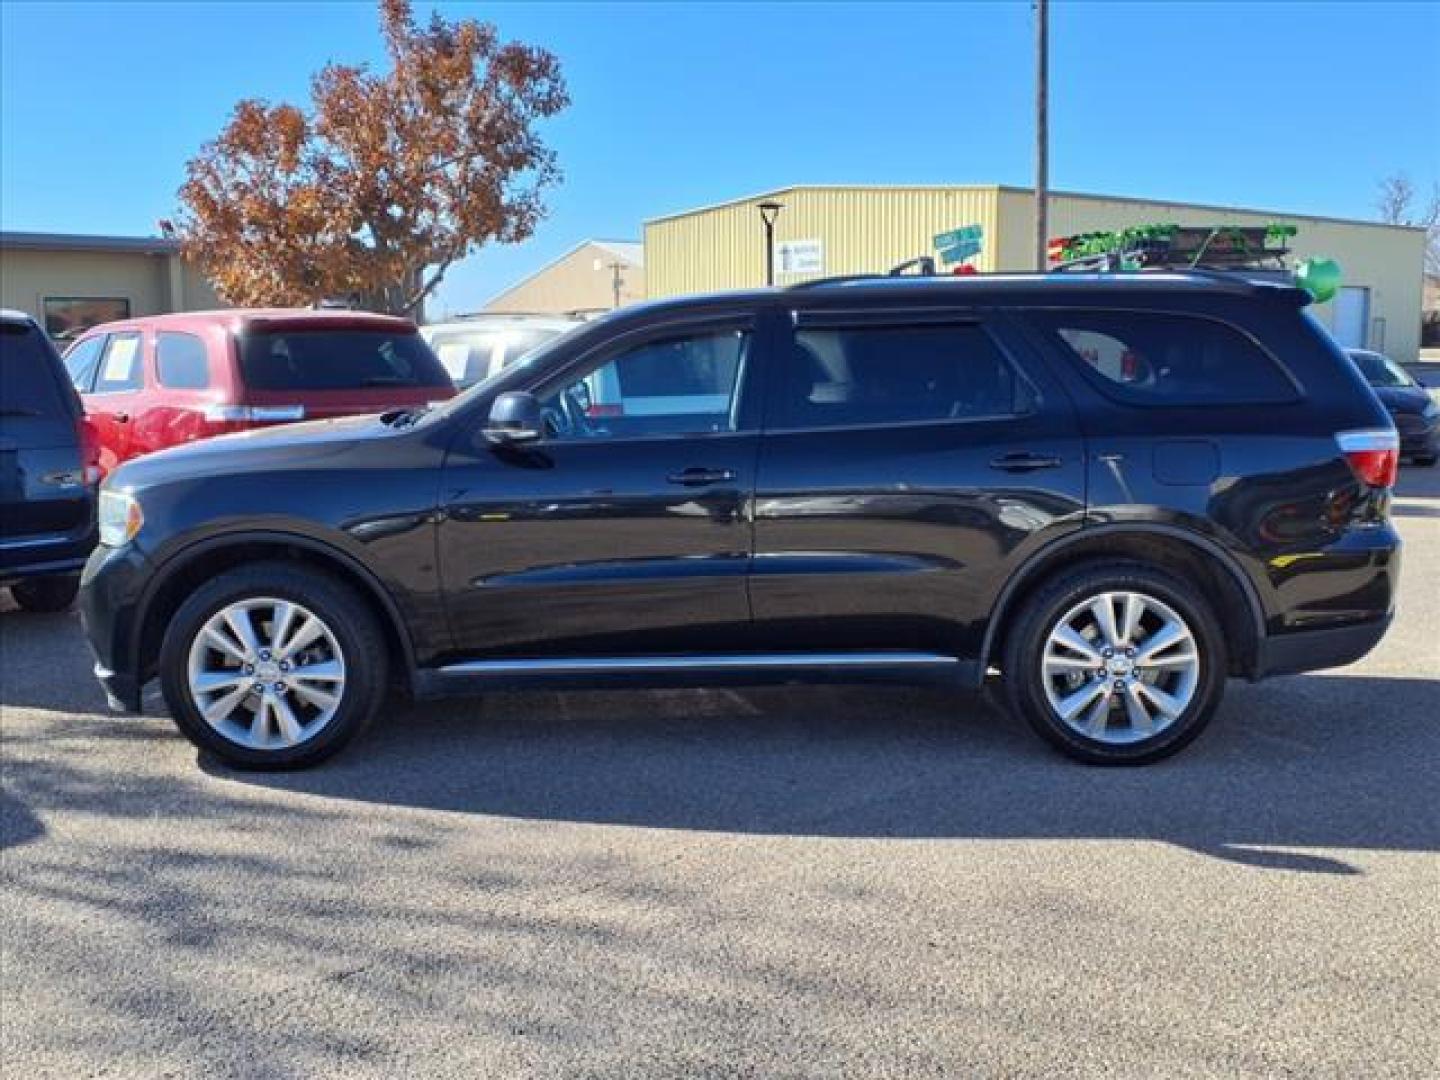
1173 247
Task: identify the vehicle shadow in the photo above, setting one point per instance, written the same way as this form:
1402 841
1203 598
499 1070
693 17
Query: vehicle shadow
1304 762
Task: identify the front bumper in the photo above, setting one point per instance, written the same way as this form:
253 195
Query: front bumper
111 589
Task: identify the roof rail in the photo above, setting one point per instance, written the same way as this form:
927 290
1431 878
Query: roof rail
838 279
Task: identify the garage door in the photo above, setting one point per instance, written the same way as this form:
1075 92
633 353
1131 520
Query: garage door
1352 315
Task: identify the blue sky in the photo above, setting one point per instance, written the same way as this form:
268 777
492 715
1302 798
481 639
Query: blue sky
1291 106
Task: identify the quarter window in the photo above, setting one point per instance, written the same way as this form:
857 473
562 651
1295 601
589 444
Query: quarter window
676 385
1153 358
181 362
897 374
120 365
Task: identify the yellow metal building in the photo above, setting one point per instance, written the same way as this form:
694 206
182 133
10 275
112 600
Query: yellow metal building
822 231
593 277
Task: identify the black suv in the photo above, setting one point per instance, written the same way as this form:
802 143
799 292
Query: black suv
1116 490
48 471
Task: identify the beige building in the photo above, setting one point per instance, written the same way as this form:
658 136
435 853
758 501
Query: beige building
71 282
596 276
823 231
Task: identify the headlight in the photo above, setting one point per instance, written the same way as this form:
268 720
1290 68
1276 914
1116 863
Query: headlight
120 518
1431 410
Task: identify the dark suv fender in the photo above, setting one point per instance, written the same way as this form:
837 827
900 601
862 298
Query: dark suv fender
1052 557
316 551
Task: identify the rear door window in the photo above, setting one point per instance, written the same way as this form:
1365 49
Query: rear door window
83 361
337 360
1159 358
28 386
181 361
864 375
121 365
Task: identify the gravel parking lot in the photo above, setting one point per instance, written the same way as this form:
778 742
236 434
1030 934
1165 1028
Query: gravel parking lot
774 883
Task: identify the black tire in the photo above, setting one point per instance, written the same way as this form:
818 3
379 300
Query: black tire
346 614
1024 677
47 594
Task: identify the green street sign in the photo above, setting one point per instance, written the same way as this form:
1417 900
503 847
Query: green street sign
970 234
957 245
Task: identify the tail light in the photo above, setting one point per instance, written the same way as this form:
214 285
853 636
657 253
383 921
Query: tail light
1374 455
89 439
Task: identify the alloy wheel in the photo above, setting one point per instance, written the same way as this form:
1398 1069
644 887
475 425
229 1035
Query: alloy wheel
1120 667
266 673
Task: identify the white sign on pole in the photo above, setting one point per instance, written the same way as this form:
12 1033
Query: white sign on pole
801 256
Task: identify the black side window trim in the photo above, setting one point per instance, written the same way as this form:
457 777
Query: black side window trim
1048 340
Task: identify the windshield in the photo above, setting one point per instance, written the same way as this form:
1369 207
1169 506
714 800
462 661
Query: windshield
1381 370
337 360
474 353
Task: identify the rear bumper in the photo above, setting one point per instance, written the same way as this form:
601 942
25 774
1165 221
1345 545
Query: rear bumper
59 553
53 568
1311 650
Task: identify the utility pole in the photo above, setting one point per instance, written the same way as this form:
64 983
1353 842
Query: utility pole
1042 131
616 269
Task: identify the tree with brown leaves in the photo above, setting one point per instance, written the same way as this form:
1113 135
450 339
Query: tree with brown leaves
386 181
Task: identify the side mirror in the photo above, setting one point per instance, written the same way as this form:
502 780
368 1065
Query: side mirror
515 418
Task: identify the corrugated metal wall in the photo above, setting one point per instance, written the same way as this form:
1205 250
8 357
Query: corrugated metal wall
863 230
870 229
582 281
1384 259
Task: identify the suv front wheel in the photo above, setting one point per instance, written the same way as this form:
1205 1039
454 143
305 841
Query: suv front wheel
1116 663
271 666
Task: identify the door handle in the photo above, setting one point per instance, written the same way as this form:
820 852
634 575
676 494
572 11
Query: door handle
698 477
122 417
1024 461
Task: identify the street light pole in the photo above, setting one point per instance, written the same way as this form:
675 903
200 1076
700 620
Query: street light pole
1042 130
769 211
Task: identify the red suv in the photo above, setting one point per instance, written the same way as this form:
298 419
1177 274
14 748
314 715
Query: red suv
163 380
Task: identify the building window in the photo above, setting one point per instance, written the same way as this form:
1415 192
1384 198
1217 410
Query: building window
67 317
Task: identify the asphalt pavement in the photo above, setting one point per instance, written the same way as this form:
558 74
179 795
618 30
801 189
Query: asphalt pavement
789 882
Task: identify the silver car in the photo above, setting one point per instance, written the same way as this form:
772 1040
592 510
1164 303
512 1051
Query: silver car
475 347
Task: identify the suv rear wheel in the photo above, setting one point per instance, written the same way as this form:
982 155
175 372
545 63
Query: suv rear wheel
269 666
1116 663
